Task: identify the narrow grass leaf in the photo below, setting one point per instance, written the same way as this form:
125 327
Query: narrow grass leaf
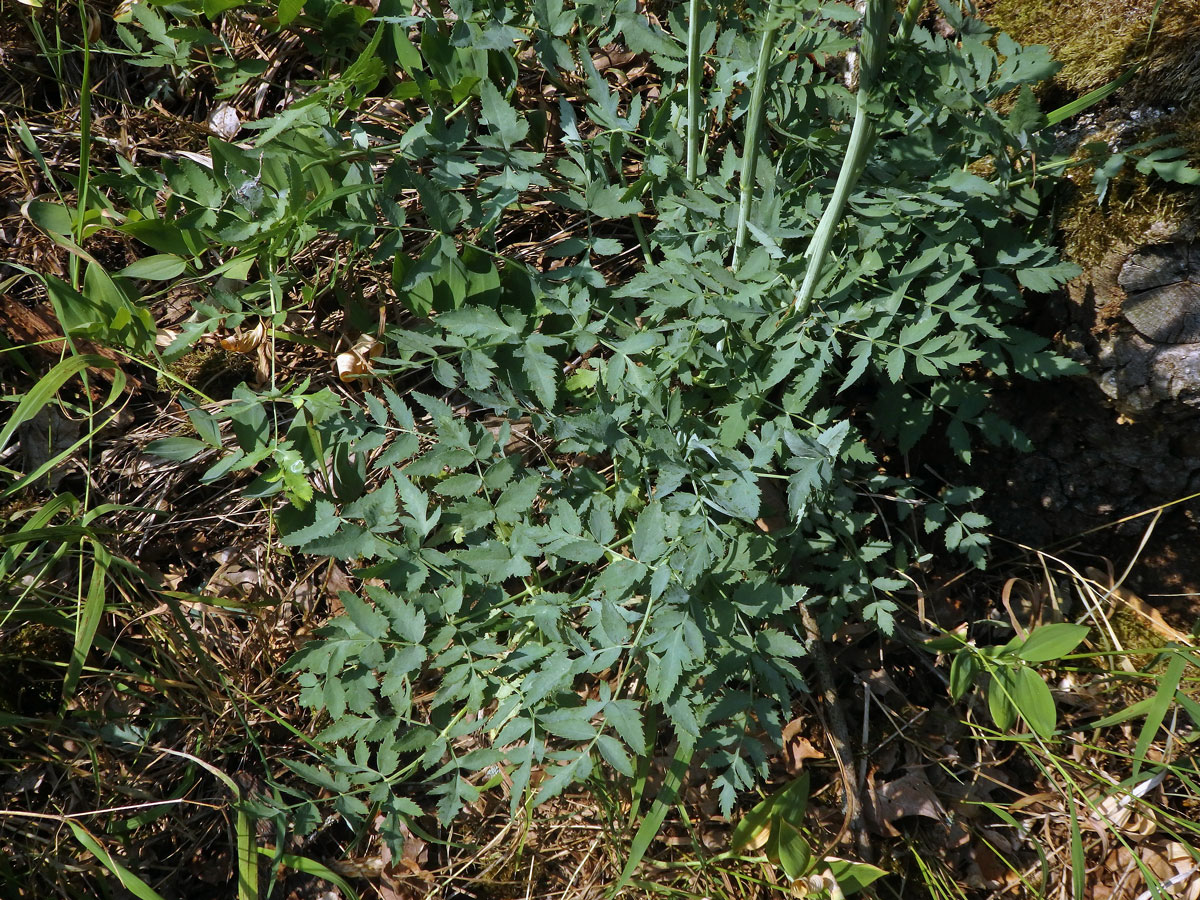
43 392
1005 816
1133 711
1167 686
128 880
1078 860
88 618
247 858
311 867
1075 107
658 811
36 523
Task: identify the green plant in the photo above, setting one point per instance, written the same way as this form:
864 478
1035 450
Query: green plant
583 500
1013 686
776 826
512 581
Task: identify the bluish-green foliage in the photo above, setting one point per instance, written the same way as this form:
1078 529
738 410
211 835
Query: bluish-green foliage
588 497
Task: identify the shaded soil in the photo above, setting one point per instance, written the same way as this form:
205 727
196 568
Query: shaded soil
1096 485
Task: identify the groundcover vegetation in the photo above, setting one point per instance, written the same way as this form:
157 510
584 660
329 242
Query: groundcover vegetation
631 359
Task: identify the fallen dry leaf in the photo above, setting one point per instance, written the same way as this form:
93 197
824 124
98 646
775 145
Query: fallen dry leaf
1186 871
93 25
796 747
909 795
355 363
224 122
245 341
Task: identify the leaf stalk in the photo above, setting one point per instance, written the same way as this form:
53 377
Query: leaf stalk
872 52
693 90
753 126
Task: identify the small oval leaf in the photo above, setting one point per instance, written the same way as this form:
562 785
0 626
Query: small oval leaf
1033 700
1000 703
795 855
52 217
1050 642
177 449
963 672
159 267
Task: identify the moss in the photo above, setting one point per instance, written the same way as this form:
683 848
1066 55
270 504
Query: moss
1097 40
1138 209
1134 212
210 368
1135 632
1092 38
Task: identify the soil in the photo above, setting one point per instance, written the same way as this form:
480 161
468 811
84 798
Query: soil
1095 480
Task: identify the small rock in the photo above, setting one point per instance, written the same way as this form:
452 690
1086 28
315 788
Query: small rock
224 122
1163 287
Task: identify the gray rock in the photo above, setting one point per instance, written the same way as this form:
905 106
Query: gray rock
1163 287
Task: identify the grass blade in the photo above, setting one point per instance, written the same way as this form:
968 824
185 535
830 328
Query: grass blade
658 811
311 867
43 392
1167 686
28 533
1078 860
244 826
88 618
247 858
128 880
1091 98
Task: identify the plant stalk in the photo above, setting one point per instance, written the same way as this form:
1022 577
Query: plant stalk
872 51
693 90
910 18
753 127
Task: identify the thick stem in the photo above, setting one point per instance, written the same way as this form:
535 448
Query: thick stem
910 18
693 90
753 126
872 50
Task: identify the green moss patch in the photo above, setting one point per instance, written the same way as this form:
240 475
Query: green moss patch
1097 40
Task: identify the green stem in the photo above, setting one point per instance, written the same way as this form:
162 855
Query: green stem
85 143
872 50
910 18
693 90
753 127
